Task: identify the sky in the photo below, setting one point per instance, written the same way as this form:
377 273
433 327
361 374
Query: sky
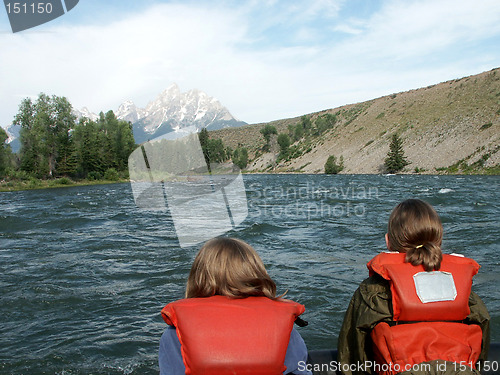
263 60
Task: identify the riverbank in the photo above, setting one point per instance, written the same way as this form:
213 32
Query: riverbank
35 184
453 170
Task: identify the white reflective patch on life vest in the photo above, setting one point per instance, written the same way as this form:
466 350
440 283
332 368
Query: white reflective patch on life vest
435 286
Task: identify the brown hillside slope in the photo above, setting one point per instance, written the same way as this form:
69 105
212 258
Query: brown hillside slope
441 125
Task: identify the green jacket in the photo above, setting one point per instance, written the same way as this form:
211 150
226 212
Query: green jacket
371 304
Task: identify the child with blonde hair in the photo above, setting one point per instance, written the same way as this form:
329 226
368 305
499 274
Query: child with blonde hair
231 321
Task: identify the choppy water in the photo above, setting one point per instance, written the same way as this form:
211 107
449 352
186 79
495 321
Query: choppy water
84 273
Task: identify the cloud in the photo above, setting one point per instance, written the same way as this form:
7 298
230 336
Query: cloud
424 27
99 66
262 60
350 27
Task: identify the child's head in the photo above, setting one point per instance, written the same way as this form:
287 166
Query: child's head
415 229
229 267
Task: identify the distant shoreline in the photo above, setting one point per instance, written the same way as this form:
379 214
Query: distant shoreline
39 184
488 171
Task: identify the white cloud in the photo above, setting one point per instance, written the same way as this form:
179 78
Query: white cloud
351 27
405 29
99 66
237 55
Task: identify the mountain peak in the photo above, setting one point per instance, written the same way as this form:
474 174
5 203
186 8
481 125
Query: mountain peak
173 87
85 112
128 111
175 110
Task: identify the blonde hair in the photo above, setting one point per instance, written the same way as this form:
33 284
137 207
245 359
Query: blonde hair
415 229
229 267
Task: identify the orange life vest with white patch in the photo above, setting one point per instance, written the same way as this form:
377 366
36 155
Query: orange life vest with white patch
221 335
434 304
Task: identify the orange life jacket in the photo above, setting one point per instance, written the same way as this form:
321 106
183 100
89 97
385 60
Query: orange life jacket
435 329
221 335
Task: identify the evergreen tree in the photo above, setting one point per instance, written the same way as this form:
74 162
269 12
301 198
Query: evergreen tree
125 143
87 147
107 150
60 144
395 160
119 141
67 162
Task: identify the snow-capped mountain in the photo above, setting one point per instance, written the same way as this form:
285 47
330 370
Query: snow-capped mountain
128 111
85 112
13 134
171 111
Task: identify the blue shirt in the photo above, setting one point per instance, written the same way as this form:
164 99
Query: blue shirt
171 363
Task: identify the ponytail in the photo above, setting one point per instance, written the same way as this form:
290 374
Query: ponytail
415 229
429 255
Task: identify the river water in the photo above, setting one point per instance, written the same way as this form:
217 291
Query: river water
84 273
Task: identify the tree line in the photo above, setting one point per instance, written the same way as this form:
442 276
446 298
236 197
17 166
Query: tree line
54 144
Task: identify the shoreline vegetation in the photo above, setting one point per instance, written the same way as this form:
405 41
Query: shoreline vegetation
56 150
11 185
63 182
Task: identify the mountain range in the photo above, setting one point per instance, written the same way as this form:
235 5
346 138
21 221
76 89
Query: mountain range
171 111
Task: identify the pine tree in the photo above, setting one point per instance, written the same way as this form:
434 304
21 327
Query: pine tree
88 145
60 149
395 160
67 161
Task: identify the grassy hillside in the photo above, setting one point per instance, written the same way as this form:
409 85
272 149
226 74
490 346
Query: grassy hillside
450 127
